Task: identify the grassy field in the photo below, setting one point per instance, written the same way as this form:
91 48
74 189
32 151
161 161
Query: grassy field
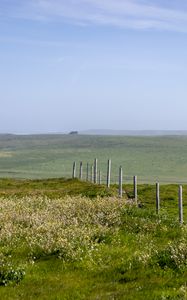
69 239
45 156
66 239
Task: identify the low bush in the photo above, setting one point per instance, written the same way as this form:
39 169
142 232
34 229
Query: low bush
9 272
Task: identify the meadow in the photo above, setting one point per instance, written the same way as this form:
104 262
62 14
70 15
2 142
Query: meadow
46 156
67 239
62 238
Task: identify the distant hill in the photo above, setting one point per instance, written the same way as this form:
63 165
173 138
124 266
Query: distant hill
134 132
101 132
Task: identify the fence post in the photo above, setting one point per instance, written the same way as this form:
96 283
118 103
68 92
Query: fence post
135 188
80 171
95 170
87 172
108 173
120 182
74 170
180 205
157 197
99 176
91 177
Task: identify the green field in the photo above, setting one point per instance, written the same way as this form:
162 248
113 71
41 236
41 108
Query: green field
67 239
46 156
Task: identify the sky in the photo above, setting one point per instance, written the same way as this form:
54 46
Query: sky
93 64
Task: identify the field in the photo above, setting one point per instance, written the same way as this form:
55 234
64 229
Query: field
66 239
46 156
63 238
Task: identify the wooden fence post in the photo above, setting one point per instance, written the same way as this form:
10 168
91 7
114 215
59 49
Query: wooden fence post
180 205
157 197
120 182
74 170
95 170
80 171
135 188
87 172
91 177
108 173
99 176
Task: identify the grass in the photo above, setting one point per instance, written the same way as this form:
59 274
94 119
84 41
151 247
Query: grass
52 188
73 245
44 156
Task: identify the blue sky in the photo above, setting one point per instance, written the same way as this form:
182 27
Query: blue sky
92 64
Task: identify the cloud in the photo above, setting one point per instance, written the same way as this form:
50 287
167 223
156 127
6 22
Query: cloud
136 14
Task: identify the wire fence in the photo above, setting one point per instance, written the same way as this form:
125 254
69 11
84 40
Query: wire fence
93 173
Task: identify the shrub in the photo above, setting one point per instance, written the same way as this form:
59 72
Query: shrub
174 256
9 273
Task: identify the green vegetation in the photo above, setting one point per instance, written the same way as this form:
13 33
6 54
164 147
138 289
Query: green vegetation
52 188
66 239
44 156
57 241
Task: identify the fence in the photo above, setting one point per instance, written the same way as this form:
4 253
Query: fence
95 175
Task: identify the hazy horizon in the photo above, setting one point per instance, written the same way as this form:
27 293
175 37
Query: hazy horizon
75 65
106 132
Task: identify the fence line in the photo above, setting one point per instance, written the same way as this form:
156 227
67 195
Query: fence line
110 177
94 175
91 172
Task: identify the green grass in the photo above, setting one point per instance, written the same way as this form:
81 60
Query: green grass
46 156
52 188
139 255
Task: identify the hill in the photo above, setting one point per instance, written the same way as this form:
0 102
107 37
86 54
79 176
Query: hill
135 132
